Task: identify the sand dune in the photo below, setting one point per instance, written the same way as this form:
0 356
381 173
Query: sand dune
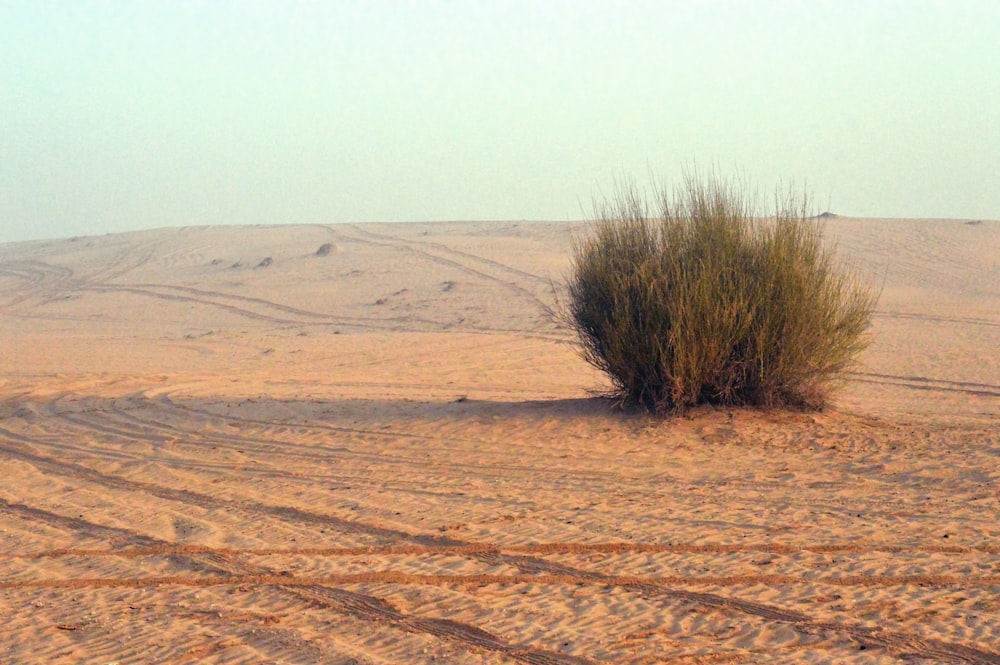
376 444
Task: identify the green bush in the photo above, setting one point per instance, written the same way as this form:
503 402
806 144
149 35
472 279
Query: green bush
711 302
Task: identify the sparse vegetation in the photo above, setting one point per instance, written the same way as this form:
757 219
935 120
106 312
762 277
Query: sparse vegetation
711 301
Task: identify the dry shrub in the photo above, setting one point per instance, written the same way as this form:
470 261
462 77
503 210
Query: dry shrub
711 302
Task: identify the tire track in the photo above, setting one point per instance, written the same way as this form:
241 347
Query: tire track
441 247
558 476
398 577
170 405
232 297
939 319
38 278
555 471
306 318
539 549
64 282
18 447
896 641
296 451
38 275
250 307
242 311
118 267
82 423
420 250
252 447
354 604
35 273
156 433
924 383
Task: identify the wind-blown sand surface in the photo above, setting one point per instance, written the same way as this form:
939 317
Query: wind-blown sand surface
220 446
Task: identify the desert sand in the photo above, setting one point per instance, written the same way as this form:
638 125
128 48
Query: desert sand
375 444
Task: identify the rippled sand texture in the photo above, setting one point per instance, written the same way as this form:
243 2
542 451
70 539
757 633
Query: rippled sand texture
374 444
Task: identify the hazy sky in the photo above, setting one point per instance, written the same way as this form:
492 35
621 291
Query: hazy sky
125 115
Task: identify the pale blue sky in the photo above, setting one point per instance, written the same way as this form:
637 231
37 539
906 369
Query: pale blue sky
126 115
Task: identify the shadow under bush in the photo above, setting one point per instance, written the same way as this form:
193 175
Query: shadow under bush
712 302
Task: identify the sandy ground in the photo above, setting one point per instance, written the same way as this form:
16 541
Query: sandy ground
224 445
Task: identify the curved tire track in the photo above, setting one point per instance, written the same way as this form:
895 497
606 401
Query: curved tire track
896 641
357 605
38 279
556 548
460 263
925 383
961 320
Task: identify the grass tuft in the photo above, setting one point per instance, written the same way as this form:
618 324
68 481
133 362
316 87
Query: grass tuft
712 302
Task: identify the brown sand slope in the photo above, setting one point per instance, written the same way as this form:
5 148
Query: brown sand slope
224 445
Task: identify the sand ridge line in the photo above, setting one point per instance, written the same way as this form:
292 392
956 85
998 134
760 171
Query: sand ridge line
355 604
610 581
896 641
